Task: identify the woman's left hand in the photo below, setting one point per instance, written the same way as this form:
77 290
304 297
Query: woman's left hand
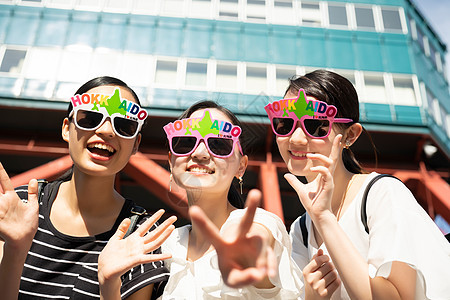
244 252
121 254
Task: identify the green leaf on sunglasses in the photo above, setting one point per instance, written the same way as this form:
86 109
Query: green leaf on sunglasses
207 126
301 105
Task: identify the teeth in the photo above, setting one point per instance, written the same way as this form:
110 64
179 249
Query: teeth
103 147
298 154
200 170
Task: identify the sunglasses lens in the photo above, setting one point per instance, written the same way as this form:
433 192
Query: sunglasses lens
317 128
182 145
220 146
125 127
282 126
88 119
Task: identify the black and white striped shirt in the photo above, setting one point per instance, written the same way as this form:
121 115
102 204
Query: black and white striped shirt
59 266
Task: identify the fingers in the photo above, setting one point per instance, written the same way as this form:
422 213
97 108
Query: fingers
5 182
240 278
206 226
121 230
253 199
33 191
316 262
159 240
145 227
294 182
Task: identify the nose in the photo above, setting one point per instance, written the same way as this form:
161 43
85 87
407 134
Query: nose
201 152
298 137
106 129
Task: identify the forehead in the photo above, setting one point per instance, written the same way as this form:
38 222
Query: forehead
215 114
109 90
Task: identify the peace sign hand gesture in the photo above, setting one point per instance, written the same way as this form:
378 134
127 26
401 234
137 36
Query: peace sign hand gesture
244 252
18 220
316 195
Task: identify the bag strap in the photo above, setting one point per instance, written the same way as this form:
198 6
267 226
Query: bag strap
136 212
304 230
364 198
41 184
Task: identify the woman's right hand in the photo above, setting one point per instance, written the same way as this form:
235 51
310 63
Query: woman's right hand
18 220
321 277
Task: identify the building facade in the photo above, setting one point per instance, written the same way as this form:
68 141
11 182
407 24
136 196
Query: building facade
239 53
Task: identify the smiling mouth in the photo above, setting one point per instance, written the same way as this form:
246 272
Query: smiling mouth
200 170
298 154
101 149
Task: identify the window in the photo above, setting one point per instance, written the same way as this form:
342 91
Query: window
144 6
337 15
59 3
404 91
364 18
283 12
117 5
34 88
391 19
256 10
310 14
228 9
421 39
166 72
83 29
172 7
53 28
135 69
226 77
13 61
200 9
256 81
433 55
430 103
22 27
89 4
105 63
40 59
375 91
282 80
74 65
196 74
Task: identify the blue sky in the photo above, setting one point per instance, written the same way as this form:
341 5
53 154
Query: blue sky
437 12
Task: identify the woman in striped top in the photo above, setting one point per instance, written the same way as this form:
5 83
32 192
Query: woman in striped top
51 249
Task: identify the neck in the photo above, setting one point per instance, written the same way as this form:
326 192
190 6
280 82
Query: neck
342 183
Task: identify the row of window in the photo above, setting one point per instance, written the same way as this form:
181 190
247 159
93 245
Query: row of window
291 12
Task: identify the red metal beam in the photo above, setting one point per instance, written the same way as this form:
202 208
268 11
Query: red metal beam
268 179
49 171
155 178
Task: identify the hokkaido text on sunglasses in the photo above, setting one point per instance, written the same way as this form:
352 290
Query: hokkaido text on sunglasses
91 110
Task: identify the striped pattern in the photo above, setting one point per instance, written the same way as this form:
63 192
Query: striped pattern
59 266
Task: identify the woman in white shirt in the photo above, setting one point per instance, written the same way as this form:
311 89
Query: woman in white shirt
402 255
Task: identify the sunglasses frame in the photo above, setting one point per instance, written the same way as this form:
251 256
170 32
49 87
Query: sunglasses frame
199 138
105 115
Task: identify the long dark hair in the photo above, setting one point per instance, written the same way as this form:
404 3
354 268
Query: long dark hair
336 90
93 83
234 197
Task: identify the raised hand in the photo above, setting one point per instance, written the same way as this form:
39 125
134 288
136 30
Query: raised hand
244 252
121 254
321 278
18 220
316 195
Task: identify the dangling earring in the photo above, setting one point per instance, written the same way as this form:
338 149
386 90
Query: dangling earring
241 183
170 182
347 145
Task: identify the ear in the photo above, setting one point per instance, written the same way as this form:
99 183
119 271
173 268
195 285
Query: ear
242 166
137 142
65 129
352 134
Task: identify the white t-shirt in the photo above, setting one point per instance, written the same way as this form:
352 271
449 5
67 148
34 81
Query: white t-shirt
201 279
399 230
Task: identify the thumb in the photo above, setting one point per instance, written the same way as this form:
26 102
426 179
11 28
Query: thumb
121 230
33 191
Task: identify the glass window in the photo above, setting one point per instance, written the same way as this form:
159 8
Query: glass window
404 91
430 103
40 59
172 7
13 61
283 12
228 9
256 80
337 15
105 63
83 29
59 3
445 117
22 28
282 80
391 19
256 10
74 65
140 34
195 32
310 14
4 21
375 91
227 45
226 77
117 5
53 28
136 68
166 72
433 54
111 33
196 74
89 4
169 33
364 17
200 9
64 90
145 6
34 88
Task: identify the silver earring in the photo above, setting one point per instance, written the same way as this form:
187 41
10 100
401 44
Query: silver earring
241 183
170 182
347 145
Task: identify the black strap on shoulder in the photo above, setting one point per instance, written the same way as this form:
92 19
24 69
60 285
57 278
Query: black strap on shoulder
136 212
304 230
364 199
41 184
